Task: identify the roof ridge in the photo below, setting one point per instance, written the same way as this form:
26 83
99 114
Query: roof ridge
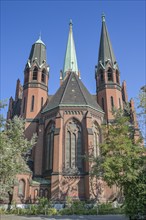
81 90
68 77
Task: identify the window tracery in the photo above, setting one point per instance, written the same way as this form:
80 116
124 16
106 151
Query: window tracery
73 145
49 146
96 140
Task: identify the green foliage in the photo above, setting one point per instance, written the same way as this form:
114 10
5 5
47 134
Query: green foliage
13 148
135 196
141 105
52 211
106 208
122 161
43 205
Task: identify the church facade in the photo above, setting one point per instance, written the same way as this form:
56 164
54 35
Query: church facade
68 123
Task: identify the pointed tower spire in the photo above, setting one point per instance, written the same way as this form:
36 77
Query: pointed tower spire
38 52
105 49
107 76
70 61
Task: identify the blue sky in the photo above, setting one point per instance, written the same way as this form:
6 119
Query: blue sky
22 21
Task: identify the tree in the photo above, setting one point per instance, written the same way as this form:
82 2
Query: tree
142 110
13 149
122 161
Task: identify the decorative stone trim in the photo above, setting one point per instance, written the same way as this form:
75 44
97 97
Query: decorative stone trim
73 112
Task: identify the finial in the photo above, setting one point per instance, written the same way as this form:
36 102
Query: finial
70 23
40 36
103 17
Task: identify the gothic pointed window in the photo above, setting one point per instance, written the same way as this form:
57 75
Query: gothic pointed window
73 145
117 77
43 78
96 140
21 188
41 193
110 74
49 146
35 74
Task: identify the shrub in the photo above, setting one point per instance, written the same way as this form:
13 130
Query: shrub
52 211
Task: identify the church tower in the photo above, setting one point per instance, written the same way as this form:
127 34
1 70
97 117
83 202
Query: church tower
35 88
70 60
107 76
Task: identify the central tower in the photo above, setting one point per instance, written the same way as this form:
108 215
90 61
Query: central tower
70 60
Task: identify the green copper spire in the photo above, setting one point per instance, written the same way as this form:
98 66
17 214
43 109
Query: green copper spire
70 62
106 53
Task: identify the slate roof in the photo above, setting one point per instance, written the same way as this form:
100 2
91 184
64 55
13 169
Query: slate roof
105 49
38 51
72 93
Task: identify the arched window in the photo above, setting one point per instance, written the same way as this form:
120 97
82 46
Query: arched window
112 102
21 188
35 74
101 76
43 78
35 193
49 146
73 145
41 193
96 140
117 77
46 194
32 104
102 100
110 74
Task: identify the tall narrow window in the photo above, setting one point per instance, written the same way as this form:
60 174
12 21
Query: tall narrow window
112 102
102 100
73 145
110 74
35 74
42 102
117 77
43 79
119 103
49 146
21 188
96 140
24 103
32 104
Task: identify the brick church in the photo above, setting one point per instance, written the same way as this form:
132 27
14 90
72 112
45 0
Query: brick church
68 123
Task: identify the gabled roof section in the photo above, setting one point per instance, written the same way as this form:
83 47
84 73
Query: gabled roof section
105 49
38 52
70 61
72 93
